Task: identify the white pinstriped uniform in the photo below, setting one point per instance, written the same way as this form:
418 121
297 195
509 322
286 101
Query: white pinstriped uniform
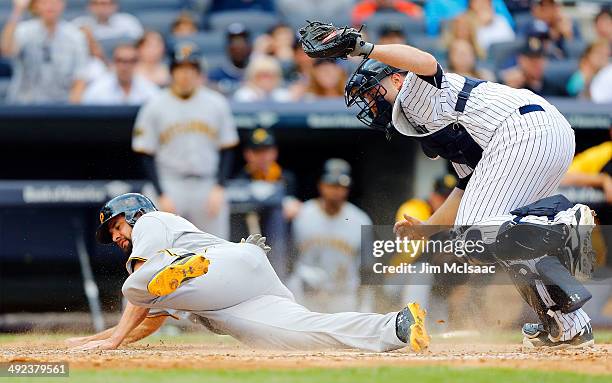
524 155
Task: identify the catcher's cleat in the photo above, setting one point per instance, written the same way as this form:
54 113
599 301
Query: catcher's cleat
168 279
410 327
536 336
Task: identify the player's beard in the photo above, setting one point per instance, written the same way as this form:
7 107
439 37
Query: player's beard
128 249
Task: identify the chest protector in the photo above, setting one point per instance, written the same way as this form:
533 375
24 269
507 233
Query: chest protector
453 142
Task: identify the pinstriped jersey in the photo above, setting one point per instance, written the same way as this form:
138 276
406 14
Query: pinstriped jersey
426 104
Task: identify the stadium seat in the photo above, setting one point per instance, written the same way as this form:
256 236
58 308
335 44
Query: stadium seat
575 48
560 71
522 20
77 5
73 13
257 22
134 6
500 54
428 44
5 68
108 45
209 42
4 85
159 20
411 25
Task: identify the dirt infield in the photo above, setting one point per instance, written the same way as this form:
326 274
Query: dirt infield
221 355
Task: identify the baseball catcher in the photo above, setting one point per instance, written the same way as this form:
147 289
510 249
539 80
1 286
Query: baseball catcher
509 147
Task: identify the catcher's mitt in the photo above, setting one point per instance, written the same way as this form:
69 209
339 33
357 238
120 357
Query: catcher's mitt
320 40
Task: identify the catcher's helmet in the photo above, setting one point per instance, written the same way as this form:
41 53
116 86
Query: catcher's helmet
130 205
365 91
186 53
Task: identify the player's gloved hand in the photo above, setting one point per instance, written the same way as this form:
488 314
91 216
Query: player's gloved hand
257 240
320 40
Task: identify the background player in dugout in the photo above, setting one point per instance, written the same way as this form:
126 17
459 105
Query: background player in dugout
328 234
261 156
185 136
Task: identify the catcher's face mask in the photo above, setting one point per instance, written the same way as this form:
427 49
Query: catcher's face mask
364 89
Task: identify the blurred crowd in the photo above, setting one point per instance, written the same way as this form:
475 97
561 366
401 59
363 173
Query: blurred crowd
109 52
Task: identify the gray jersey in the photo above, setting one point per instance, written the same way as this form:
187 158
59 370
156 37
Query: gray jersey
156 231
331 245
185 135
46 66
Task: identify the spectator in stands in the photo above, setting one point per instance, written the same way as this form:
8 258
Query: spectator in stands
462 60
529 72
237 5
327 233
228 77
314 9
263 80
96 67
603 24
184 25
261 157
391 33
463 27
152 58
297 76
326 80
601 91
49 54
592 168
560 26
439 11
367 8
491 28
594 59
278 42
105 22
122 86
540 30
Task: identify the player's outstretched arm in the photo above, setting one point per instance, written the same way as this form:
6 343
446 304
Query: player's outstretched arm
132 316
407 58
146 328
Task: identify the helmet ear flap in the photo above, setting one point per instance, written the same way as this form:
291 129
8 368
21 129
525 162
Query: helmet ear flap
132 216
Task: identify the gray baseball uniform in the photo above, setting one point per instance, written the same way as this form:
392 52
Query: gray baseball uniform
185 137
326 276
241 295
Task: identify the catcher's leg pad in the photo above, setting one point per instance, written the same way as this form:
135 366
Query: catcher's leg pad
524 240
565 290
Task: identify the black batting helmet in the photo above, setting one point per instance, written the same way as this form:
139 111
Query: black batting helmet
365 91
186 53
130 204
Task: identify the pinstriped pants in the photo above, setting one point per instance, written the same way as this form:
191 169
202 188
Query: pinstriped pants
524 162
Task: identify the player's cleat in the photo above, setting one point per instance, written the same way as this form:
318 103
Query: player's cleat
167 280
410 327
536 336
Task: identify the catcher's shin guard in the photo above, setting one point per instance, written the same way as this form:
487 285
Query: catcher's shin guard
525 282
168 279
566 291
